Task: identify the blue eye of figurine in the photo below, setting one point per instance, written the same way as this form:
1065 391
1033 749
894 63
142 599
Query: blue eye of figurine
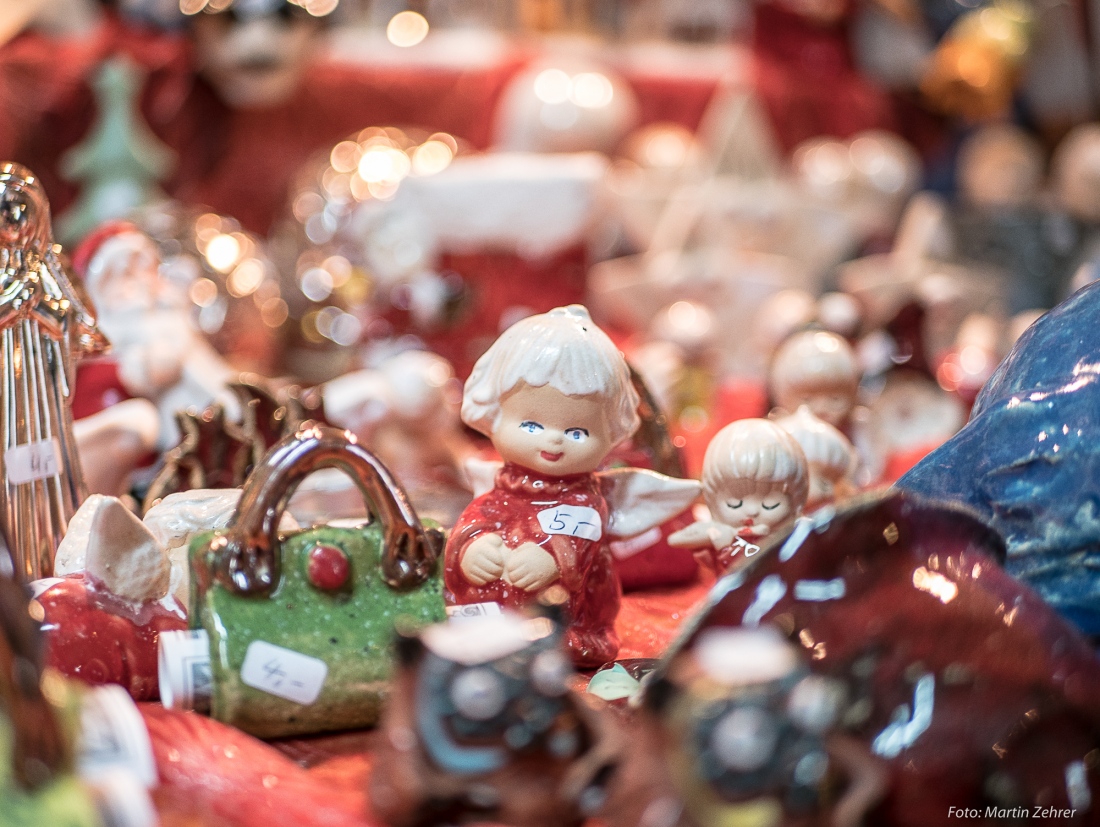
770 507
737 504
530 426
577 434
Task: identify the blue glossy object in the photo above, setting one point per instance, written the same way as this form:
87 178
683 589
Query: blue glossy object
1028 461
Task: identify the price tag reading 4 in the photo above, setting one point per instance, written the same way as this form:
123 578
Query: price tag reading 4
33 461
574 520
283 672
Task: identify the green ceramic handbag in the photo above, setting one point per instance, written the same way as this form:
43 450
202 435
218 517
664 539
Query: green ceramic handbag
301 625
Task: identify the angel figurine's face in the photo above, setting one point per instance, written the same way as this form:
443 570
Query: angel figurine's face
743 510
546 431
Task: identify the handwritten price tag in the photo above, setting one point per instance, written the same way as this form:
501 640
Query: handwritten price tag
465 612
574 520
283 672
33 461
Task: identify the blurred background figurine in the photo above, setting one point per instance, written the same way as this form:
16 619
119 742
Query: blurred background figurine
830 457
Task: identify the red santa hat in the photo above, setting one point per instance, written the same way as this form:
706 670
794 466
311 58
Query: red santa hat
107 237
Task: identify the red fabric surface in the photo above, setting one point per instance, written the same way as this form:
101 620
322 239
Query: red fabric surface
805 75
499 285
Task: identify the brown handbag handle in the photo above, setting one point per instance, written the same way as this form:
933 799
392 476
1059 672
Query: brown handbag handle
245 555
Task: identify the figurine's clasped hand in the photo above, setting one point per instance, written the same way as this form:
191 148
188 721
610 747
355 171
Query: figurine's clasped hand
483 560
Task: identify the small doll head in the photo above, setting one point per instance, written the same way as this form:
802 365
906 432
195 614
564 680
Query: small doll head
829 454
553 393
818 369
754 473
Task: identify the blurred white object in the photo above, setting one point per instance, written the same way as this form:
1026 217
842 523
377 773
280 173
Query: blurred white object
176 519
564 104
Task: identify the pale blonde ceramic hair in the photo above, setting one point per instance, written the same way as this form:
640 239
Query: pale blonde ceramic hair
825 447
813 360
754 457
562 349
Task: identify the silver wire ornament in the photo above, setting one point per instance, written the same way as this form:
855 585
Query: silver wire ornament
45 327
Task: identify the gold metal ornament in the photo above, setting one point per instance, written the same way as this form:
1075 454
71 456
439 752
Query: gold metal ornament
46 325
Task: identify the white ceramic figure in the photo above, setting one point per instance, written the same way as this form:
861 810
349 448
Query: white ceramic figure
831 457
554 394
755 479
817 369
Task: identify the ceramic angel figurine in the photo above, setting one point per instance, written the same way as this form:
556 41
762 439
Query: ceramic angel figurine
818 369
755 478
830 457
554 395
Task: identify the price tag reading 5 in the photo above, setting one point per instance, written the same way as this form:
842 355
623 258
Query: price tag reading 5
574 520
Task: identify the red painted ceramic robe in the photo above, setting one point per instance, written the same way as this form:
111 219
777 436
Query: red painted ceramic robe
511 510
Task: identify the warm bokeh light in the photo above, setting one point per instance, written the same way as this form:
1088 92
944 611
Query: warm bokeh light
431 157
553 86
591 90
407 29
223 252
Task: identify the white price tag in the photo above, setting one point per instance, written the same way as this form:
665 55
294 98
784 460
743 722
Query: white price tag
283 672
184 670
574 520
741 544
459 613
113 737
33 461
40 587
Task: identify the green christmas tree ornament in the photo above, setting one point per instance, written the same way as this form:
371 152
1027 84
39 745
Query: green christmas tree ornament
120 163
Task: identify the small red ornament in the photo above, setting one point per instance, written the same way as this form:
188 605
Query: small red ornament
328 567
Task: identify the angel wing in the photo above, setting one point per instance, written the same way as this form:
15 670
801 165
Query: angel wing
640 500
481 474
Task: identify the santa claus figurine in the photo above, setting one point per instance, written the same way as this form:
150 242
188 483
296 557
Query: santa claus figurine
156 352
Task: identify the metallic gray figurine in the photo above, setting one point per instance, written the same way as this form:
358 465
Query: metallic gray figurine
45 327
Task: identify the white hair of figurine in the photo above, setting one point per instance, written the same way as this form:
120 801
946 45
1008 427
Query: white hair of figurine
755 456
825 447
813 360
563 349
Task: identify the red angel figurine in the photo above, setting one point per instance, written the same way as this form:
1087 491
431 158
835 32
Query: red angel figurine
554 395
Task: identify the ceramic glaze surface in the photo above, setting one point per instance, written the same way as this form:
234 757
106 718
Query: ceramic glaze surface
1028 461
971 689
97 638
511 510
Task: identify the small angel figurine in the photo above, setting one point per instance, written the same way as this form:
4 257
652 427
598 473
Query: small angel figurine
831 457
554 395
819 369
755 478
